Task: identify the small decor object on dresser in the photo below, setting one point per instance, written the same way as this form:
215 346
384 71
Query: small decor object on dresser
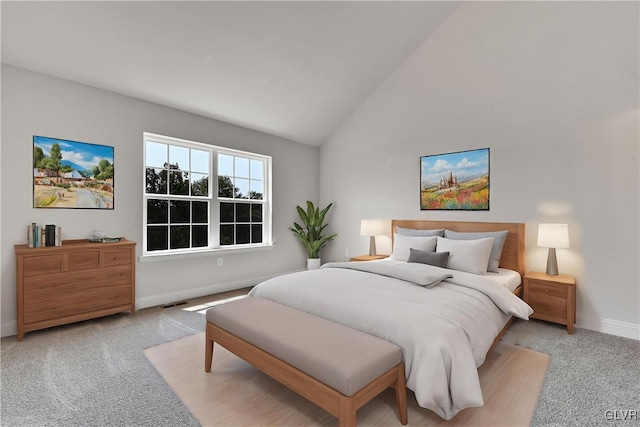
455 181
40 236
552 297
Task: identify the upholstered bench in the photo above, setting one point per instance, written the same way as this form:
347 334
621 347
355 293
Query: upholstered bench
336 367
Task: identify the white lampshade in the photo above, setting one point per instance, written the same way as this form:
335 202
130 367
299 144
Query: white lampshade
553 235
373 227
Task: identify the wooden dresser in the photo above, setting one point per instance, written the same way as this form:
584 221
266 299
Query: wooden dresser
76 281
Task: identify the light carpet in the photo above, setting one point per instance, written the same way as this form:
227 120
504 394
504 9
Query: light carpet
236 393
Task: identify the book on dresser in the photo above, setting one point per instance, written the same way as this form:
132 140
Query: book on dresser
78 280
41 236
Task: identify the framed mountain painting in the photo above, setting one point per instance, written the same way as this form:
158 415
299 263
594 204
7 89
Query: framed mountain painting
455 181
71 174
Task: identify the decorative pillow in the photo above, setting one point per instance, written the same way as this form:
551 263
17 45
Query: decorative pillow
471 256
496 251
439 259
403 244
413 232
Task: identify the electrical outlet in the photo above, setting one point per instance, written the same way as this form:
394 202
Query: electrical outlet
346 253
219 262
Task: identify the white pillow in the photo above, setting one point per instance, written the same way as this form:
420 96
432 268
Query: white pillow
402 245
471 256
415 232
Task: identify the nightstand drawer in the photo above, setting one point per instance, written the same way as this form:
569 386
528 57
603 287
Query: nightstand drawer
547 289
549 306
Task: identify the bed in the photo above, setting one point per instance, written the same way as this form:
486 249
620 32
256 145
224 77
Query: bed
445 328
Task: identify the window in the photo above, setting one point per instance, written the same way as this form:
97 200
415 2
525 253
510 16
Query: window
185 211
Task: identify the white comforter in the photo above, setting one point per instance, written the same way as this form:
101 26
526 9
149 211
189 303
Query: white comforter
445 331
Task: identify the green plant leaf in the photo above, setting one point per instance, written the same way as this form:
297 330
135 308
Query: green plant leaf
310 232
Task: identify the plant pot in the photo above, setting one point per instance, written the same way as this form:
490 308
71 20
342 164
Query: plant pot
313 263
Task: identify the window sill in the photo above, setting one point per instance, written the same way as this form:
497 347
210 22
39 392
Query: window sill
203 253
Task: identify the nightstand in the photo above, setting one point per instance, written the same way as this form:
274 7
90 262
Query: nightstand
368 257
553 298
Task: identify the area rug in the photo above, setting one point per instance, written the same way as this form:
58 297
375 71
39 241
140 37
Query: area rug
237 394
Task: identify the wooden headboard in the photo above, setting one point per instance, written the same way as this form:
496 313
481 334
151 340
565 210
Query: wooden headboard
512 252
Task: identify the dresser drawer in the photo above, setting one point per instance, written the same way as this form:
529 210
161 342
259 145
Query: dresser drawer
42 265
116 257
544 288
43 308
70 282
85 260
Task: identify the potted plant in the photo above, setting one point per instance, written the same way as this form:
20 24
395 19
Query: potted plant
310 232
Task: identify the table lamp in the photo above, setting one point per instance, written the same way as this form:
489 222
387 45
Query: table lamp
372 228
553 236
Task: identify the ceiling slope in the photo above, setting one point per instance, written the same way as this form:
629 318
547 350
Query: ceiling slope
291 69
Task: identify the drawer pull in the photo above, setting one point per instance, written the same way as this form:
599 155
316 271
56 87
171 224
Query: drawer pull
546 290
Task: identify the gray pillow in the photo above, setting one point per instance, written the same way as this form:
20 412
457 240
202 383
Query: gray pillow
439 259
414 232
496 250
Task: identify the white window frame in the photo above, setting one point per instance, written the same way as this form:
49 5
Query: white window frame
214 246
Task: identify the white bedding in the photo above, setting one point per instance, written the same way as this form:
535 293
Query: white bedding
444 331
508 278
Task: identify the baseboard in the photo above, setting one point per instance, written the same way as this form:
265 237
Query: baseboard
608 326
171 297
11 328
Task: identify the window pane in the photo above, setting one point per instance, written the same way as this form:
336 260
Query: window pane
226 212
180 236
242 188
225 165
242 167
225 187
179 157
157 238
180 212
256 170
199 184
156 154
179 183
180 191
256 233
200 211
199 161
256 213
226 235
200 236
157 211
243 213
243 234
156 182
256 188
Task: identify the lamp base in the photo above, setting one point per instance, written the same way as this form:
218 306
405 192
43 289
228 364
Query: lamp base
372 245
552 263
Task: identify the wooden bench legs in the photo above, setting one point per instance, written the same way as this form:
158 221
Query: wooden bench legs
332 401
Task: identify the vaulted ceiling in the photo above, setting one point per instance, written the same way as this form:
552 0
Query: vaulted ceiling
291 69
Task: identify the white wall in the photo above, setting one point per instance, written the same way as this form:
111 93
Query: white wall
35 104
552 89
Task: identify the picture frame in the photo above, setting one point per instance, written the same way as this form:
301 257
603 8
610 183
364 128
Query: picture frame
72 175
455 181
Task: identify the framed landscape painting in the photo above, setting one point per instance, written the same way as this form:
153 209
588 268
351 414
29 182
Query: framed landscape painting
455 181
71 174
